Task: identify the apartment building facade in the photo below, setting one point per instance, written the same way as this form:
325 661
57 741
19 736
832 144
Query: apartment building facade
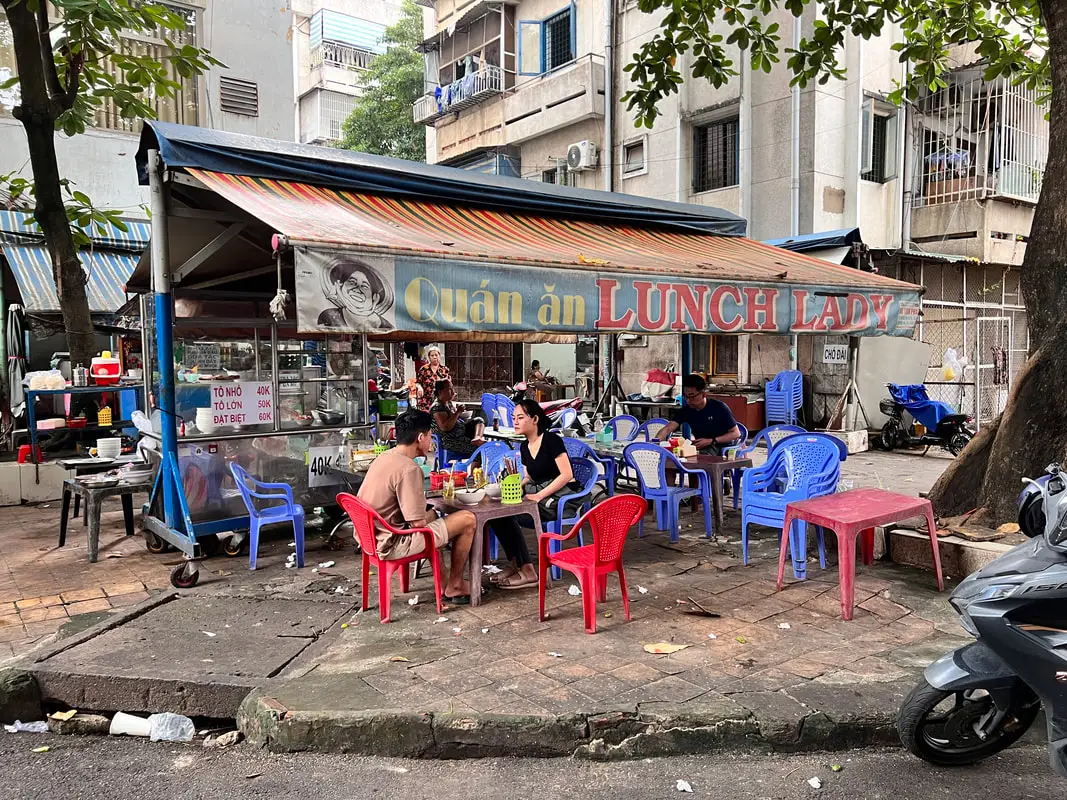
334 42
252 93
942 191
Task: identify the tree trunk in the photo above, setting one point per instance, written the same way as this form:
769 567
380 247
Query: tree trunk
1033 429
38 111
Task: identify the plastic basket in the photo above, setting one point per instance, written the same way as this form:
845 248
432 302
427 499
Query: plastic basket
388 406
380 448
511 490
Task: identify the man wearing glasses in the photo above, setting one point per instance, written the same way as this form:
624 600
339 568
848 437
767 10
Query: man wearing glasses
712 425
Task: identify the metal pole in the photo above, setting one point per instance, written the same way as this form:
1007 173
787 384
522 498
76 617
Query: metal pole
157 203
146 366
255 344
609 97
275 377
794 178
853 391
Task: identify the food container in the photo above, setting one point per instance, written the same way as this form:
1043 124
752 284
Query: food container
79 376
105 369
77 422
103 416
470 497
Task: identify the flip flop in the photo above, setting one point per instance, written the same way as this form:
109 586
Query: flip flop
463 599
522 583
496 579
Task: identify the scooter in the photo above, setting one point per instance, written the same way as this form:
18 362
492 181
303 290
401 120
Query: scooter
981 698
554 408
942 426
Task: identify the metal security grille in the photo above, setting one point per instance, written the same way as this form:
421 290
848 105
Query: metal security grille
558 45
239 96
715 155
878 154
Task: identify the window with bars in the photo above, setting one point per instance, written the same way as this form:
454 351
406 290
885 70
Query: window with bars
559 49
877 172
559 175
714 356
715 155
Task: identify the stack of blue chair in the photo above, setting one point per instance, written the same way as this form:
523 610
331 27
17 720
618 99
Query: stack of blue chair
784 397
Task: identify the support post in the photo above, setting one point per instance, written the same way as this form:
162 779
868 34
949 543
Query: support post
164 330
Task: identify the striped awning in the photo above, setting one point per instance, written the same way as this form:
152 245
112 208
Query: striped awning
19 226
108 272
326 217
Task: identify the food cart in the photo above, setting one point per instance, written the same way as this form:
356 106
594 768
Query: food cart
370 246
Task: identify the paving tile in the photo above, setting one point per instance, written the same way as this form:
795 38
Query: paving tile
130 587
804 668
87 606
124 600
43 614
490 698
12 633
39 602
562 700
636 674
601 687
670 689
567 672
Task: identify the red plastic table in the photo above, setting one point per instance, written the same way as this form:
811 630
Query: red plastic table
850 514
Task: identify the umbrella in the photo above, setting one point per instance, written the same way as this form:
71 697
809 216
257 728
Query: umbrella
16 360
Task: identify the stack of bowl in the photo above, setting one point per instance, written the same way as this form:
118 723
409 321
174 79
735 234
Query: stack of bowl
205 420
110 447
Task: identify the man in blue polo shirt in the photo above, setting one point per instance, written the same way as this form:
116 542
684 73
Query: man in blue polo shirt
712 425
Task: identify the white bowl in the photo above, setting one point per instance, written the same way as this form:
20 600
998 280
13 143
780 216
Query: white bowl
470 497
493 490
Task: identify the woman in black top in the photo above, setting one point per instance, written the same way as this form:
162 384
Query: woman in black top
548 477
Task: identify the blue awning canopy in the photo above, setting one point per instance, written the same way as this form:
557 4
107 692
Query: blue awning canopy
19 226
31 267
185 146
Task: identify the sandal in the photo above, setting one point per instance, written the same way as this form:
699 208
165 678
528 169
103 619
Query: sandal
516 581
504 574
463 599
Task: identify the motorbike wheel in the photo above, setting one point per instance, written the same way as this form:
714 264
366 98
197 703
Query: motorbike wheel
892 434
958 442
939 726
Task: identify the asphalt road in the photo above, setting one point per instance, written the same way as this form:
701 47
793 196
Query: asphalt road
102 768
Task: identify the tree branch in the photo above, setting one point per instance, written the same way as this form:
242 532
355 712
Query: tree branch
48 57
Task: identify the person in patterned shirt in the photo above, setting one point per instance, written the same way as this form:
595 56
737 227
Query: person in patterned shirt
429 374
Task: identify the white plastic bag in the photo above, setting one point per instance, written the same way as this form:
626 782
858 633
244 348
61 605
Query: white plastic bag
950 366
167 727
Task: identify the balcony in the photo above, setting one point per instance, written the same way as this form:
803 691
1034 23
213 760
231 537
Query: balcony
470 90
555 100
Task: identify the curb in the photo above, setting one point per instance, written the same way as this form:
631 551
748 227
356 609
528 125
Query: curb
764 721
20 696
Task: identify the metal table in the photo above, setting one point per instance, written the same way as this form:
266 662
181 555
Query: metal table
643 409
716 467
92 466
94 496
485 511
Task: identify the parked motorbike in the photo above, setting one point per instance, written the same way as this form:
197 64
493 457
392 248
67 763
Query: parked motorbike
980 699
554 408
940 423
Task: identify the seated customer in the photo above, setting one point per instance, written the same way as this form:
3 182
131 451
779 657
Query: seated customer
458 435
394 488
548 477
710 421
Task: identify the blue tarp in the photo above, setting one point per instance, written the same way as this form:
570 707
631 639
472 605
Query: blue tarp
845 237
230 153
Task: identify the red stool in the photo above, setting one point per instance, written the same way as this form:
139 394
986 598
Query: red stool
24 453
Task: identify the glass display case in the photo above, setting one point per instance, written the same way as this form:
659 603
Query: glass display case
265 397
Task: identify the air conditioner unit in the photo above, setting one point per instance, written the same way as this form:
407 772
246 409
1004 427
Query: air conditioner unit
581 155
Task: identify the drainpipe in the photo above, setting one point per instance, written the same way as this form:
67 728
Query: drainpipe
680 162
609 92
794 178
906 166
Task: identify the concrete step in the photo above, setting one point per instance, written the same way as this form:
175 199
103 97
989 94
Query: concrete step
959 556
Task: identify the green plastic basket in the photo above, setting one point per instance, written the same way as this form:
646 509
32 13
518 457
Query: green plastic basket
380 448
511 490
388 406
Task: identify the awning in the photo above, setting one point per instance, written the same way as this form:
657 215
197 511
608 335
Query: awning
19 226
427 267
805 243
185 146
108 271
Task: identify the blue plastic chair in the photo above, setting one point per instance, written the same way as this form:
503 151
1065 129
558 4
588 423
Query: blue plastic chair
488 407
783 397
566 419
769 436
576 448
288 511
650 462
586 474
650 428
505 408
623 427
442 457
799 467
491 455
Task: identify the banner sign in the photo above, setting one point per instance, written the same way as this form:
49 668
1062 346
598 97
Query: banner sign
345 291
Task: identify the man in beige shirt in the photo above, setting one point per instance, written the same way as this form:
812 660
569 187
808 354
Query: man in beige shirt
394 488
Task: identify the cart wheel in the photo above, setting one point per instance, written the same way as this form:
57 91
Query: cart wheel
210 545
155 544
235 545
179 579
343 531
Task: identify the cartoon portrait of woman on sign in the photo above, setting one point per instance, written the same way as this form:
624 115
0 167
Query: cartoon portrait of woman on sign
360 297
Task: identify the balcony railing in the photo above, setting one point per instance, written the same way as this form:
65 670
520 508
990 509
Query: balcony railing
980 139
343 56
460 94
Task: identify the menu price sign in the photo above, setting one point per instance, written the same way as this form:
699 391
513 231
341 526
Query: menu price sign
242 403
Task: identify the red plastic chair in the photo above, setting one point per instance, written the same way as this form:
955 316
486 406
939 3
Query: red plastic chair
363 519
610 521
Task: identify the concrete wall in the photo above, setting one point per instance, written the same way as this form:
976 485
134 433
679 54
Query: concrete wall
541 153
250 37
